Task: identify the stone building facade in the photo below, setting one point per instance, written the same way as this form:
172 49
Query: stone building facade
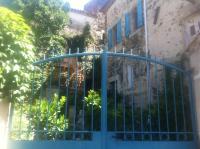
176 36
173 35
123 30
168 33
192 56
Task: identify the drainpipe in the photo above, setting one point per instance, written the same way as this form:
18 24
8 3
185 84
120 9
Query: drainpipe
147 64
146 28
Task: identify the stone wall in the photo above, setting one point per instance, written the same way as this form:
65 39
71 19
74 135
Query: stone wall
167 32
167 35
169 25
189 22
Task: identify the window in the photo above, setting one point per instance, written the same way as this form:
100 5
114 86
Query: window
119 31
192 30
114 35
156 15
130 77
133 20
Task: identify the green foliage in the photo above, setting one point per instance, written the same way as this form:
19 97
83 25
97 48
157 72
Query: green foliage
47 116
16 55
93 107
80 41
93 98
43 119
20 122
47 19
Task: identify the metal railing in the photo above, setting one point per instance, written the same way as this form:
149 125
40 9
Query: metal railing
127 96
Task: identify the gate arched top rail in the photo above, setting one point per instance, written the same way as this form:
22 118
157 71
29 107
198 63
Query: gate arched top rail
114 54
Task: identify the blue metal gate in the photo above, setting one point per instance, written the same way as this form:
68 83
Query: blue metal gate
105 100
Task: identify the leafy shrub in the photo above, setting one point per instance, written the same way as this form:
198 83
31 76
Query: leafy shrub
16 55
43 119
93 110
94 99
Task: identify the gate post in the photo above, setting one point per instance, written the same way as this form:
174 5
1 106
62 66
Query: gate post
192 106
104 64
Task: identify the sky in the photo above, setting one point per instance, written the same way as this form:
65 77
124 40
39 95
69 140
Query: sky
77 4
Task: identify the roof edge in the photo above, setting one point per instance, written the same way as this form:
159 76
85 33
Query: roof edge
82 12
107 5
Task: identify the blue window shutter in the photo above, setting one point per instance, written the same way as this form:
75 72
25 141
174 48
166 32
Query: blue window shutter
119 32
127 24
110 39
140 17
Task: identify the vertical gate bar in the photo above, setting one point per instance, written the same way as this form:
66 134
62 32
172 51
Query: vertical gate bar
141 103
49 97
59 81
31 101
115 98
182 104
40 98
50 81
124 105
67 95
92 114
192 106
132 105
158 98
175 112
20 122
75 98
166 102
149 95
42 79
59 78
104 64
84 88
124 114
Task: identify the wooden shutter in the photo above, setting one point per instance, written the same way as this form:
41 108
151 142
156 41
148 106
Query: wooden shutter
127 24
140 16
119 32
